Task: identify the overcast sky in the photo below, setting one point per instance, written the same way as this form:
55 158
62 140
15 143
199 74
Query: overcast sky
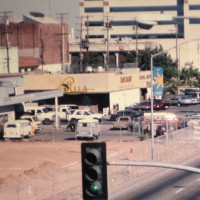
48 7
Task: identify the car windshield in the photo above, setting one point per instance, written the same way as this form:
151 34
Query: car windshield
45 110
156 101
35 118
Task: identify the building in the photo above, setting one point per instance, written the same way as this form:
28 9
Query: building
41 41
102 89
113 26
12 97
13 65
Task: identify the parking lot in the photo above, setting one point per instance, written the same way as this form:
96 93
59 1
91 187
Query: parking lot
50 133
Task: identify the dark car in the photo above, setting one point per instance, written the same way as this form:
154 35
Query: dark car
132 113
146 105
158 104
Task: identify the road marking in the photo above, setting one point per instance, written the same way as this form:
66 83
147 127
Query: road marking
179 190
198 180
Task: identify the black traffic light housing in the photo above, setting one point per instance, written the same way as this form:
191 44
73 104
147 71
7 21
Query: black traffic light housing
94 171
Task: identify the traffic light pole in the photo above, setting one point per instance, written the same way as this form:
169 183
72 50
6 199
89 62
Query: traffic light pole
154 164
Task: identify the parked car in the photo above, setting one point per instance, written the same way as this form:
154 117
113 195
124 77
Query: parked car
82 114
18 129
62 111
182 100
193 120
132 113
158 104
34 121
146 105
122 122
88 128
193 99
41 112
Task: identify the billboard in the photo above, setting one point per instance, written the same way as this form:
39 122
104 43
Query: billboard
158 81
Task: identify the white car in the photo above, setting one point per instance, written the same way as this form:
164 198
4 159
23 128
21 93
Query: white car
194 120
83 114
193 100
181 100
88 128
34 121
18 129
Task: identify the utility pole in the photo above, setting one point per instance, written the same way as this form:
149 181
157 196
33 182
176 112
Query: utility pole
81 46
136 27
87 38
177 57
5 15
108 26
62 39
84 42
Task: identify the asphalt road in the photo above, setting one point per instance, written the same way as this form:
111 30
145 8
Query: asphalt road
166 184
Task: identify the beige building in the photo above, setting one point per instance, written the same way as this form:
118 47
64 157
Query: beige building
112 25
104 89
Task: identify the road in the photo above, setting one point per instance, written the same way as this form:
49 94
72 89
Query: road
164 185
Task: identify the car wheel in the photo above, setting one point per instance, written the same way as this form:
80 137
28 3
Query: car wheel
46 121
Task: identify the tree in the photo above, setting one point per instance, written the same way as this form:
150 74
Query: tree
190 76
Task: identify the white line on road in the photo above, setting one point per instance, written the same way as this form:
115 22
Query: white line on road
179 190
198 180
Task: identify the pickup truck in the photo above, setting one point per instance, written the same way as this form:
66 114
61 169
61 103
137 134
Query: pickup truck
123 122
62 111
82 114
41 112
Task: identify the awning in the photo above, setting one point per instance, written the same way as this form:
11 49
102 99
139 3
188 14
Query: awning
30 97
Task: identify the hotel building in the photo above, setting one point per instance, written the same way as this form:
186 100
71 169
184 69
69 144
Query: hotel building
112 26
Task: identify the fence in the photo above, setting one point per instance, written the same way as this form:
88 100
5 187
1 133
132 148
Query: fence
66 183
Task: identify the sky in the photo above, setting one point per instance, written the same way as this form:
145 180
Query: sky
48 7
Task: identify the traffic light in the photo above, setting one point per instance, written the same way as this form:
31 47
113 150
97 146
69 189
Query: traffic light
94 171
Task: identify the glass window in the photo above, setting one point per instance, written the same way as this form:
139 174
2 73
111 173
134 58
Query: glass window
194 7
143 9
95 23
94 10
11 126
194 21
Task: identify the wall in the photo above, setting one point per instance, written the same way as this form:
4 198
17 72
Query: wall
124 98
87 82
13 62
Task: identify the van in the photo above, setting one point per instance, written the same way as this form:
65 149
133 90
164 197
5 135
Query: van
88 128
164 119
18 129
41 112
34 121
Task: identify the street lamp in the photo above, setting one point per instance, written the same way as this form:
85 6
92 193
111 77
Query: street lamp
152 92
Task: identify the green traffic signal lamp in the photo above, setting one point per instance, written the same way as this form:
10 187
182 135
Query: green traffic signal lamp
94 171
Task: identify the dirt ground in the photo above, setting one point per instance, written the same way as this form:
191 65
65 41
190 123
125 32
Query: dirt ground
18 159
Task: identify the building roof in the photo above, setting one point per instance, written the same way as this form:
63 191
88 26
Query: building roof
38 19
30 97
28 62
